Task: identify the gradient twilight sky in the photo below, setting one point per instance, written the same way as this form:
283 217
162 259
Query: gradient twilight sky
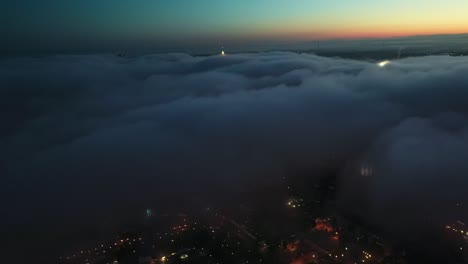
95 24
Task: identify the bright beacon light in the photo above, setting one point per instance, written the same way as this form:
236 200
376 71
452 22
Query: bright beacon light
383 63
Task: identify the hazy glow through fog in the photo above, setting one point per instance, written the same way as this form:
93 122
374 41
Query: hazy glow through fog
383 63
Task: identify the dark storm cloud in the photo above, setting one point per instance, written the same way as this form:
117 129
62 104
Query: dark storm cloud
91 139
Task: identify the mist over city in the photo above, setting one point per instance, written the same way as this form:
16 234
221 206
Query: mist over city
261 133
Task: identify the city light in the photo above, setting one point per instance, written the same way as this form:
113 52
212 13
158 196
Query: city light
383 63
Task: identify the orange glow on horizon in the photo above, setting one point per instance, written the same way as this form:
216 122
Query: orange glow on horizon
369 26
360 34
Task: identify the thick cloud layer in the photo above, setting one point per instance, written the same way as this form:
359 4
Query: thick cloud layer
87 141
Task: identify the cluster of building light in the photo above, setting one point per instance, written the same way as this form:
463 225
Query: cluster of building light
103 249
294 203
324 224
336 256
181 228
461 231
367 256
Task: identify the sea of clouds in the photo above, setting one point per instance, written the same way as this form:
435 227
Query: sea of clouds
86 139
